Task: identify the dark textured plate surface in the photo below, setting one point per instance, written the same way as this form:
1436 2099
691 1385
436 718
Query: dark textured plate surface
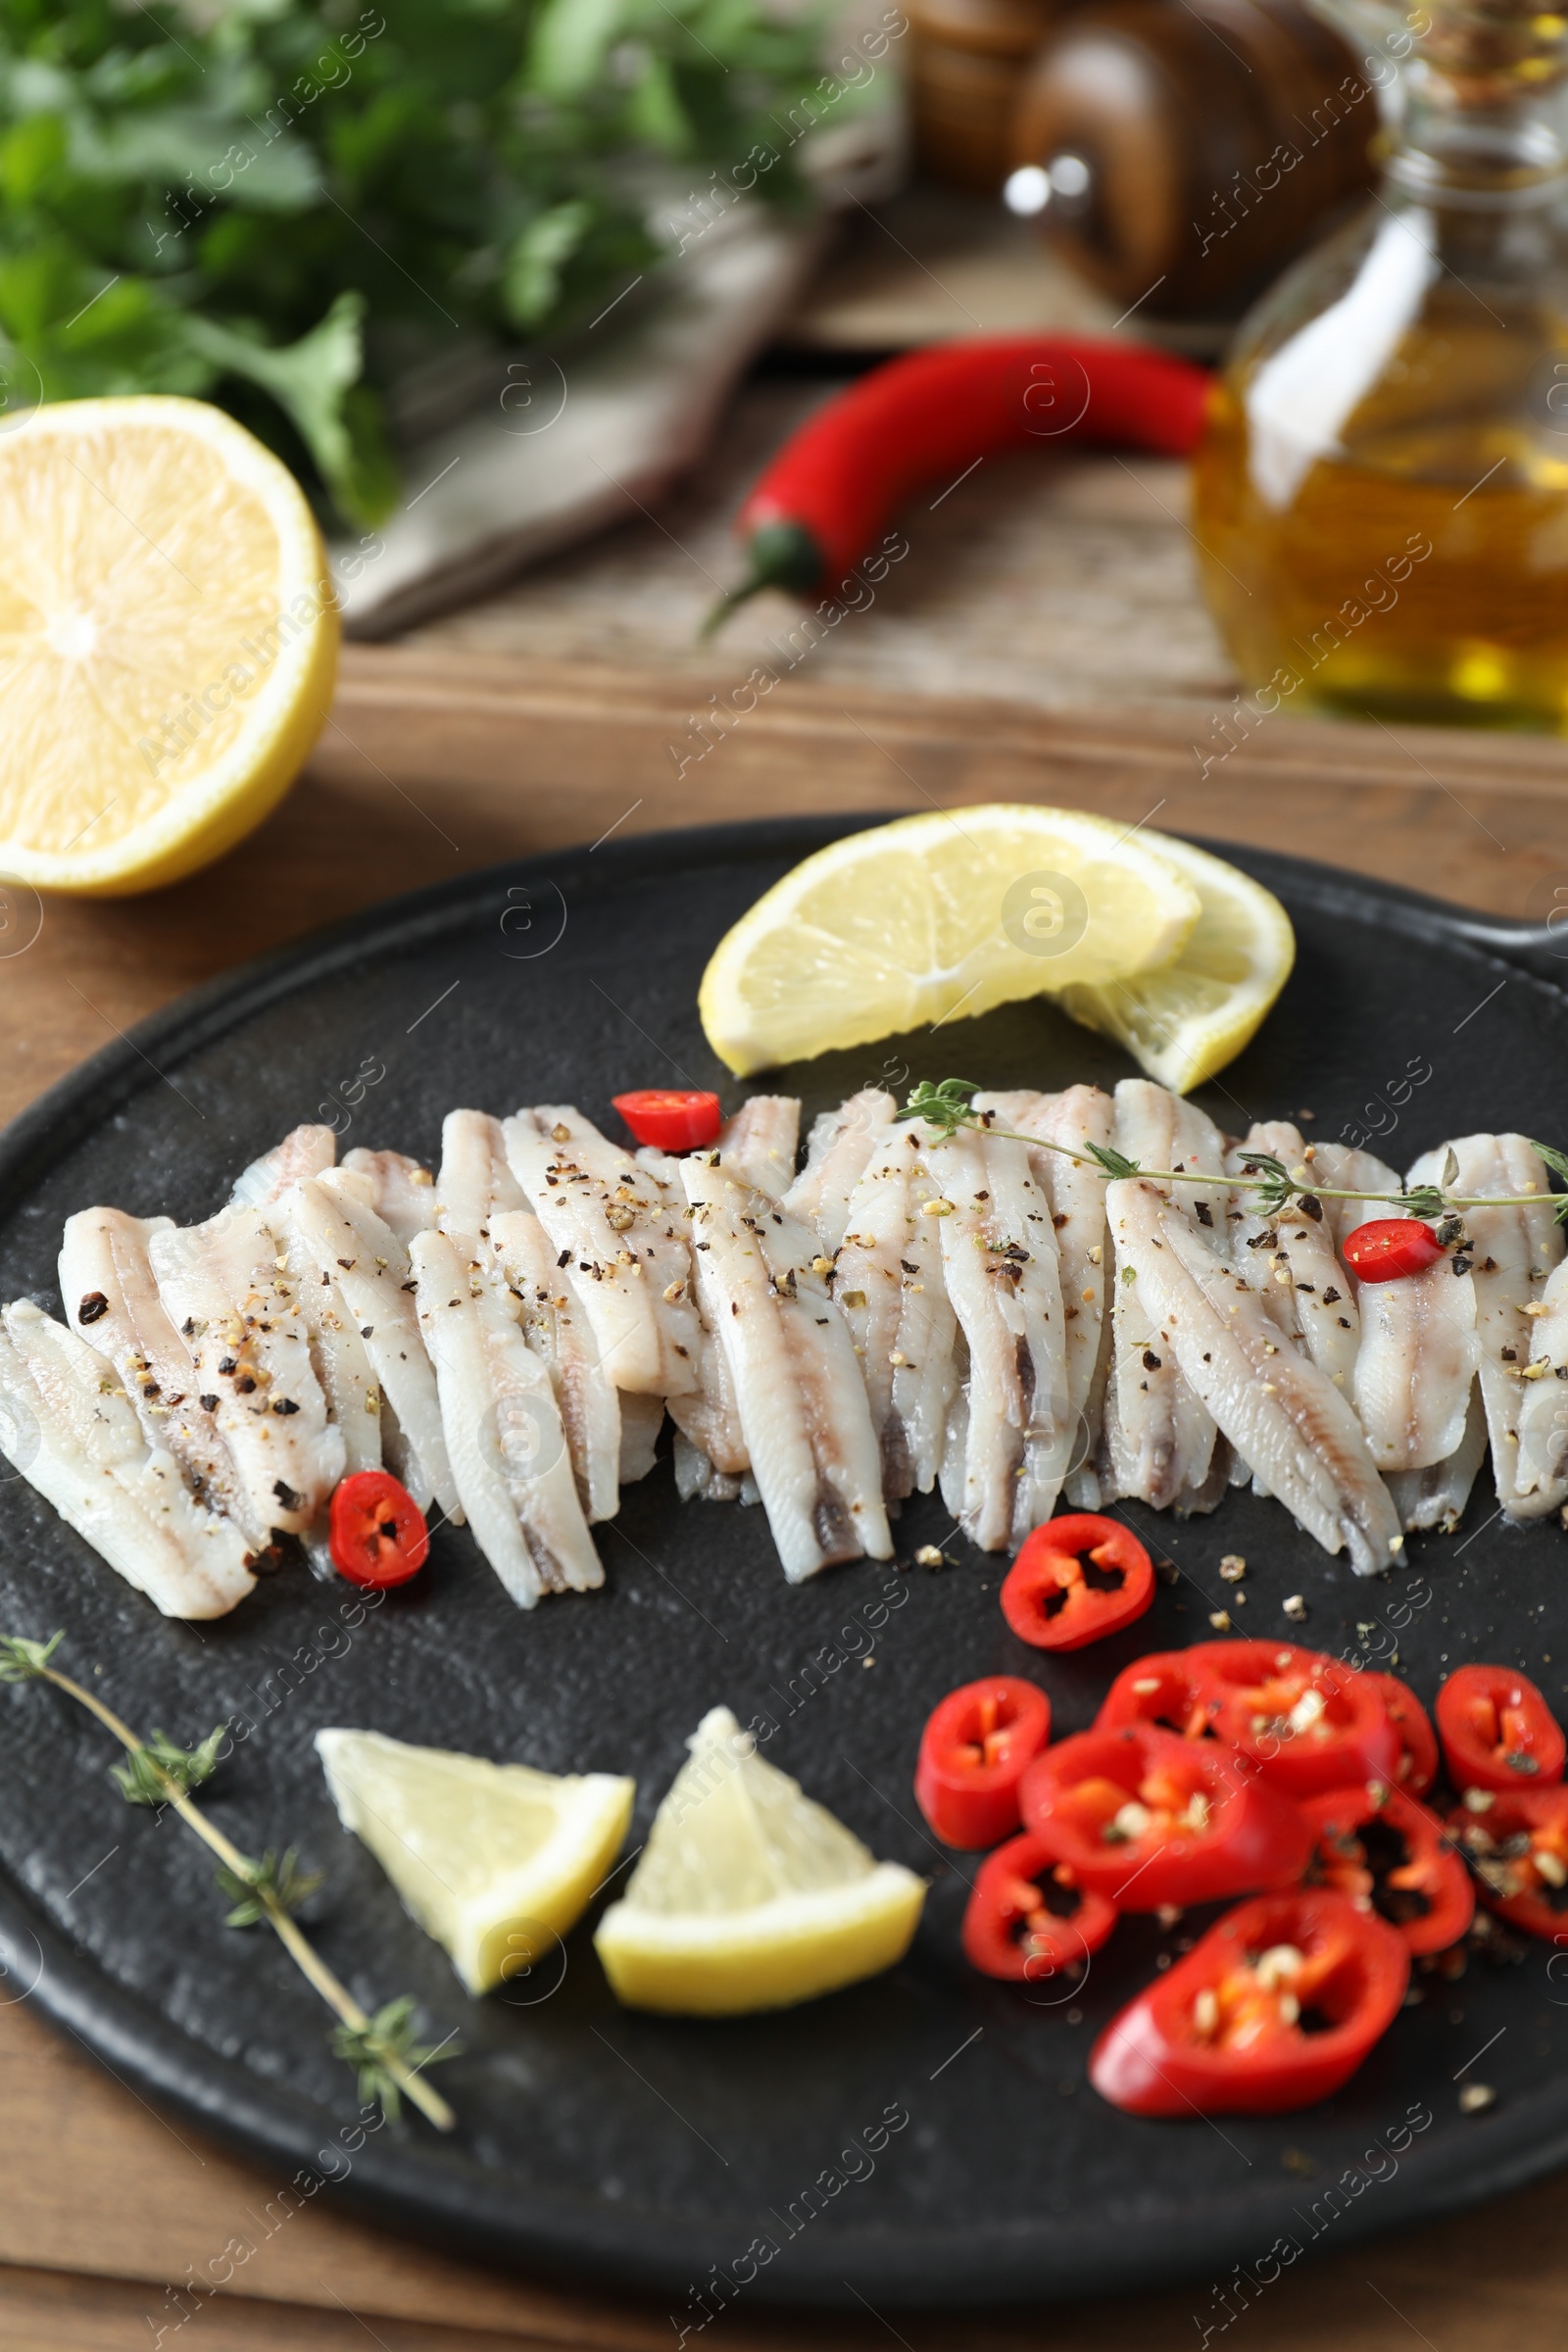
928 2137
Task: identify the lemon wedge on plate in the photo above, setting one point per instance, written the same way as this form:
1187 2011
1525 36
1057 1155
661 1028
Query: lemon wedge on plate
496 1861
911 923
170 640
748 1896
1187 1018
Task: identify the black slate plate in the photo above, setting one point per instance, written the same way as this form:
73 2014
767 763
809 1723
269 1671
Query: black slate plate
926 2138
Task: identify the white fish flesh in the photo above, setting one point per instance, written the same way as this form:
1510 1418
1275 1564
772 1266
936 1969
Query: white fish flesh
69 1429
1541 1480
1339 1167
402 1193
837 1153
304 1151
705 1414
239 1312
476 1182
1289 1259
626 1244
1158 1438
889 1286
356 1263
556 1326
509 1451
795 1378
1285 1418
1075 1194
759 1143
1436 1497
1514 1251
1418 1354
999 1262
111 1303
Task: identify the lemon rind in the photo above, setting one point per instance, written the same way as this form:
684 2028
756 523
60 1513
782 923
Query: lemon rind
791 1949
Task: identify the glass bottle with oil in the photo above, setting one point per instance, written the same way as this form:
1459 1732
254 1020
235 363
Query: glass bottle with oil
1381 497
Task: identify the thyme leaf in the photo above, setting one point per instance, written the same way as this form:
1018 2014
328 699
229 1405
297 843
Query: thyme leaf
1115 1164
24 1661
159 1769
385 2038
947 1105
260 1889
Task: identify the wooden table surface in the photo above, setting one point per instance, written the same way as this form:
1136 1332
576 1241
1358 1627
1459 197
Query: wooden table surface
435 762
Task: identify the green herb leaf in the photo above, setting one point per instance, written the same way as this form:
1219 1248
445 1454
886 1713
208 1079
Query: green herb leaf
1423 1201
145 1777
268 1886
23 1661
388 2036
949 1105
1115 1164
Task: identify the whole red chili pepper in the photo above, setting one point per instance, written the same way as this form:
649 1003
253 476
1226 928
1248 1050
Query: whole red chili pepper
928 417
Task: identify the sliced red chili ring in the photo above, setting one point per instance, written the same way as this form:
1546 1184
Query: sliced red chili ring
1147 1819
1384 1850
376 1530
671 1118
1164 1689
1387 1249
1496 1731
1517 1845
1306 1721
1077 1578
1027 1918
1417 1767
974 1751
1274 2008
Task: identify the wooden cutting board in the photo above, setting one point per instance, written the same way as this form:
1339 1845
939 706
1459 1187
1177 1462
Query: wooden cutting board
433 764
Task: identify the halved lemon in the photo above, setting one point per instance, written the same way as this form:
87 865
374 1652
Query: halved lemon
167 641
1185 1020
934 916
748 1896
496 1861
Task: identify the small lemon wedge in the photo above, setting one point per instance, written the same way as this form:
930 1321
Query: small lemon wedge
496 1861
170 640
748 1896
1185 1020
911 923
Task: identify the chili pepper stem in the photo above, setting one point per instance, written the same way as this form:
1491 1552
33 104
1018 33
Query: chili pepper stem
309 1962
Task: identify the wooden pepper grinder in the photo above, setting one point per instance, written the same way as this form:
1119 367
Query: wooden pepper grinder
967 67
1181 155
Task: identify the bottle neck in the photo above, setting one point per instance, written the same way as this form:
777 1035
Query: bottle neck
1481 121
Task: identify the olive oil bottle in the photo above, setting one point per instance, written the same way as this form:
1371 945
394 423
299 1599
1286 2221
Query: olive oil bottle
1382 496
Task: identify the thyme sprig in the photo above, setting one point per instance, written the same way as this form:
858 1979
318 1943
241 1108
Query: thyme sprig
949 1107
380 2048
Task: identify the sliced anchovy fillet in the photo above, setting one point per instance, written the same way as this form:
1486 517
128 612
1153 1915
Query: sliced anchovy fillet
111 1301
706 1415
890 1288
1158 1439
71 1431
1075 1193
239 1311
759 1143
840 1145
641 1420
1436 1497
1419 1352
357 1261
796 1377
623 1236
556 1326
509 1453
1289 1259
1540 1480
999 1262
304 1151
400 1192
476 1182
1515 1250
338 1349
1283 1417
